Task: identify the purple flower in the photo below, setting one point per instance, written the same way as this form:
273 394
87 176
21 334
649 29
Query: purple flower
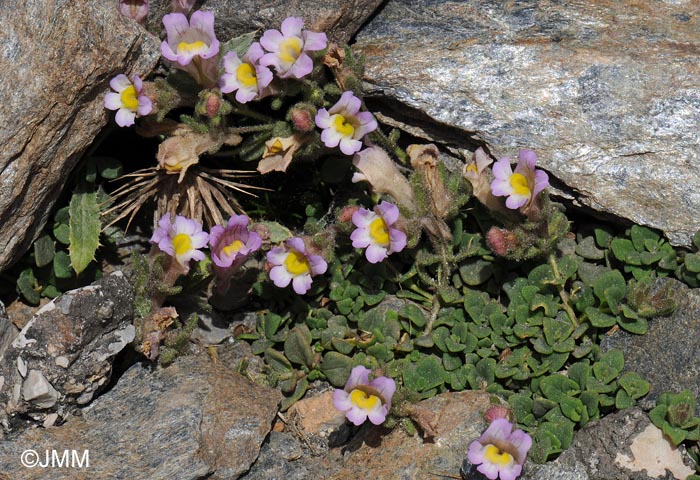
293 264
500 450
180 239
521 186
362 399
374 232
246 76
288 48
192 45
344 124
231 246
127 99
135 9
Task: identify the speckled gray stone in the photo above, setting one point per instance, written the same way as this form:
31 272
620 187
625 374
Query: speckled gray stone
667 355
56 60
340 19
189 421
607 94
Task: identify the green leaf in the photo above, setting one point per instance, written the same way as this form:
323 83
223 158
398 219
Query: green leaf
278 233
336 367
277 361
557 386
424 375
61 265
624 251
238 44
414 314
572 408
609 366
587 249
623 400
643 236
610 288
84 224
635 386
692 262
109 168
270 323
599 319
44 251
302 385
580 372
475 272
297 347
26 286
61 231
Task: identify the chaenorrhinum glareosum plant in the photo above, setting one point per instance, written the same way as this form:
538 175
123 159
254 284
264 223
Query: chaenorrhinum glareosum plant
363 257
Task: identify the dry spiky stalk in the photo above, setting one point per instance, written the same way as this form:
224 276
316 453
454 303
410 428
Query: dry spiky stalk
204 194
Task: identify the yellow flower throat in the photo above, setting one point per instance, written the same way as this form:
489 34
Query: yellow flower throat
296 263
494 455
129 98
182 243
519 184
379 232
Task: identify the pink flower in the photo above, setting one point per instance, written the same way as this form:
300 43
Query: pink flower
247 77
362 399
293 264
127 99
135 9
374 232
192 45
500 451
231 246
180 239
288 48
522 186
344 124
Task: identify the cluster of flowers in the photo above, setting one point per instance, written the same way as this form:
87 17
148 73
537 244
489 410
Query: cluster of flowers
230 246
192 46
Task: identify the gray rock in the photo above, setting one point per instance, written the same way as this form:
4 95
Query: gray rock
8 332
38 391
281 457
609 97
624 446
666 356
57 59
63 356
340 19
184 422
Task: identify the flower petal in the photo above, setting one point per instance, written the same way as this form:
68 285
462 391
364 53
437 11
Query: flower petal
280 276
341 400
359 375
302 283
125 117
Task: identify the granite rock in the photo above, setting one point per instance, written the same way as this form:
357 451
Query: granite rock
393 454
666 356
8 332
608 95
338 18
56 63
624 446
63 356
188 421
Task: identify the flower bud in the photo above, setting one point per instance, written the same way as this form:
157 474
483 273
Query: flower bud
501 241
302 118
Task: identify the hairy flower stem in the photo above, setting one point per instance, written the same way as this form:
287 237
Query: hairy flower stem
390 146
562 292
433 315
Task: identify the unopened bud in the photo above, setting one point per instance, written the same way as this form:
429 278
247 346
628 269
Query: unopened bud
498 411
347 213
501 241
302 119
